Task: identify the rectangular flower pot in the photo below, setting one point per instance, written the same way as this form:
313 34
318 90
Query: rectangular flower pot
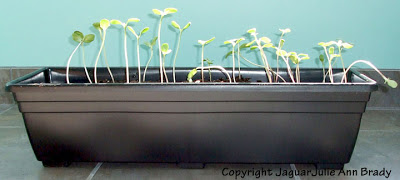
192 123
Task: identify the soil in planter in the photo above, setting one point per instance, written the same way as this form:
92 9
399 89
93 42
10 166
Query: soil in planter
220 80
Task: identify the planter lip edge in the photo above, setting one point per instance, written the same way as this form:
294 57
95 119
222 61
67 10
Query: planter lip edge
372 84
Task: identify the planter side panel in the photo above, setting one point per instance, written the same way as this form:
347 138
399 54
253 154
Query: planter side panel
193 137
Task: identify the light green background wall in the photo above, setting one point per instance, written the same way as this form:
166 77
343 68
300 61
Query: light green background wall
38 32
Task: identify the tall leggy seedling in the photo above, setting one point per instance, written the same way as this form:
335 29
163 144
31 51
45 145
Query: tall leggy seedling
234 42
388 81
209 63
260 46
150 45
176 25
296 59
81 39
340 45
102 27
203 43
97 26
165 50
144 30
280 46
124 25
162 14
330 55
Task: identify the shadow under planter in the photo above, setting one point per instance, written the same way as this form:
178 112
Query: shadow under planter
192 123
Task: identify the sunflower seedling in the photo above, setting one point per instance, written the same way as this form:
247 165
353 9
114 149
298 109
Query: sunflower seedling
176 25
234 42
260 46
330 55
388 81
97 26
209 63
162 14
102 27
125 25
144 30
81 39
203 43
194 71
165 50
285 56
150 45
296 59
340 45
280 46
322 59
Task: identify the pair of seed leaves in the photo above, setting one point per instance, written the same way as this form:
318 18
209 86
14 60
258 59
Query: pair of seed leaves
209 62
206 42
79 37
165 12
177 26
165 49
151 43
340 44
125 25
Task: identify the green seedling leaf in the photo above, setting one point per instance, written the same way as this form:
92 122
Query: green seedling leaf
164 47
187 25
88 38
148 44
104 24
144 30
253 47
168 51
175 25
232 41
269 45
303 56
158 12
133 31
153 41
132 20
209 62
201 42
265 40
191 75
321 58
250 43
280 52
240 39
97 26
243 46
210 40
331 50
330 43
284 31
347 45
77 36
335 55
294 59
228 54
281 43
114 21
170 11
391 83
252 31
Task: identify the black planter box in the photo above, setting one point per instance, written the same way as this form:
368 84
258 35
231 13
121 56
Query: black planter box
192 123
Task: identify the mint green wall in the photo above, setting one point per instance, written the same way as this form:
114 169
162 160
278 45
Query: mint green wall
38 32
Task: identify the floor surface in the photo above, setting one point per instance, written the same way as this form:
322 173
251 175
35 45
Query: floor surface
377 147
